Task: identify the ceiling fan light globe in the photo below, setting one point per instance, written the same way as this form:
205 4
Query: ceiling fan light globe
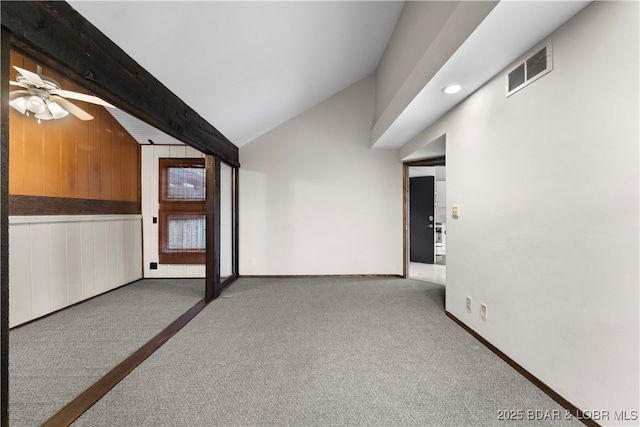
57 111
45 115
19 104
35 104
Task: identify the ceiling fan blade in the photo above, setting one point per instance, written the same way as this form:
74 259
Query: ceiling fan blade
72 108
30 76
83 97
16 94
12 83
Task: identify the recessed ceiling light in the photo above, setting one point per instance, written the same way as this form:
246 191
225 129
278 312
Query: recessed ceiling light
452 89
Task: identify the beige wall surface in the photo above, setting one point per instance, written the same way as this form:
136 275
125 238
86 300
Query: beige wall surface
547 182
314 199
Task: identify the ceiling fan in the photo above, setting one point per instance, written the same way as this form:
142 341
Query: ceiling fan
45 98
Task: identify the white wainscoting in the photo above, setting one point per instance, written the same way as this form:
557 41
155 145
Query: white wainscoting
150 176
57 261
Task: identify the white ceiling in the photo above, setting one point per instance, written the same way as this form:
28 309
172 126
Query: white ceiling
506 33
247 67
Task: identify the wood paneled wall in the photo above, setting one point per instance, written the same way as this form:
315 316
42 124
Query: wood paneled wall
71 158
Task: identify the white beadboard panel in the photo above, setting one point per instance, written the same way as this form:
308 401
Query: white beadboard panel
58 258
149 207
88 260
100 257
151 154
147 170
19 274
177 151
41 270
121 254
112 255
192 153
164 151
133 247
194 270
54 264
74 262
177 270
162 271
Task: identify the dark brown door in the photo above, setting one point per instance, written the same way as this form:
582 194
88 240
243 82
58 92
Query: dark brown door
422 219
182 211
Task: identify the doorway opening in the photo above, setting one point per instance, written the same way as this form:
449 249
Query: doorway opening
425 220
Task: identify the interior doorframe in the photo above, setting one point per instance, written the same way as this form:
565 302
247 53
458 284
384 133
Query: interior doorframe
435 161
5 49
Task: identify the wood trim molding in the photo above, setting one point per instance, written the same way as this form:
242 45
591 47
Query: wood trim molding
579 414
228 282
5 47
314 276
405 223
38 205
78 406
236 223
57 36
436 161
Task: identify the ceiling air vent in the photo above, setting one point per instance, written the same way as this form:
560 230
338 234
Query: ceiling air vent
530 70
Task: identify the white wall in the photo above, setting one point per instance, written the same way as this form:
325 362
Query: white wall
547 182
314 199
57 261
150 205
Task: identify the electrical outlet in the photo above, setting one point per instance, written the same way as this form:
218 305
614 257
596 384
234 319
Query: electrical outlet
483 311
153 266
469 303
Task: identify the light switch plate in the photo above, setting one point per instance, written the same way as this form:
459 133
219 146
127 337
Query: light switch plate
455 211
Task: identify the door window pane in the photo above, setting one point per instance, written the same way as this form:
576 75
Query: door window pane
186 232
185 184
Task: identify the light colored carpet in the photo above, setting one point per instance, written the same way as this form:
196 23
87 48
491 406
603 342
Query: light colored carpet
321 352
54 359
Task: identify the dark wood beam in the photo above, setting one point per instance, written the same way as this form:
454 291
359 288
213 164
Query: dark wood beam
38 205
5 47
236 223
54 34
435 161
212 174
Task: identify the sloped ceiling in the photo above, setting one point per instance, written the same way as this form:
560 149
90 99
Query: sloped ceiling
247 67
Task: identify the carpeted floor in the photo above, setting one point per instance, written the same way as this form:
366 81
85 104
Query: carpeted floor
321 352
54 359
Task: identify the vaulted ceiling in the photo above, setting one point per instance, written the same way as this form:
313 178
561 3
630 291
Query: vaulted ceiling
247 67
